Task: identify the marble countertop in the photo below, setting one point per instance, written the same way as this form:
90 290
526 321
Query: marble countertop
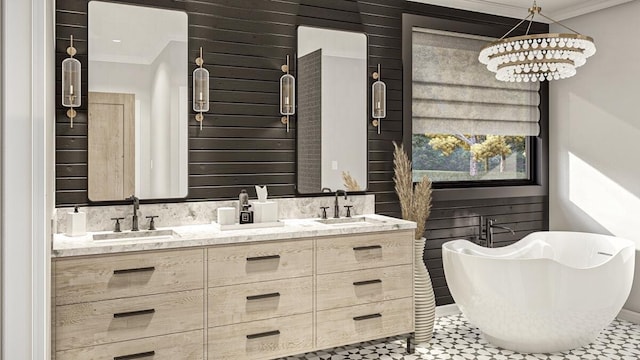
210 234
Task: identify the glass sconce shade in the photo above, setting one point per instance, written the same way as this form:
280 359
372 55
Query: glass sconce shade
287 94
379 100
71 79
200 90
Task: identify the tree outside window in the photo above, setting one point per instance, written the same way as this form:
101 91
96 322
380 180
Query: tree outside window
464 157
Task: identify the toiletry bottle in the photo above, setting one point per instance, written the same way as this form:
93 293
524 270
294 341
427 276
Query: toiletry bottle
76 223
243 198
246 215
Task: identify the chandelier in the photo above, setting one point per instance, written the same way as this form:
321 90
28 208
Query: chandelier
537 57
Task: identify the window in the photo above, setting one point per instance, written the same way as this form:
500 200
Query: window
463 157
467 127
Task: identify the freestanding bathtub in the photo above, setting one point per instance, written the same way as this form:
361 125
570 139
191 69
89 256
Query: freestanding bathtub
551 291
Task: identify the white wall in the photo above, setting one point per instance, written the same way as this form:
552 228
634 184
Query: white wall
168 112
341 150
594 171
27 180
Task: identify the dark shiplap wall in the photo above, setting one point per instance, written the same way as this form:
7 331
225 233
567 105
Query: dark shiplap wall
243 142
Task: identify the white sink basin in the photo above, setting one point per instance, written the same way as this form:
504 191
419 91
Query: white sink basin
165 234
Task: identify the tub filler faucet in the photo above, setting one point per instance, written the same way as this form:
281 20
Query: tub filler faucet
485 231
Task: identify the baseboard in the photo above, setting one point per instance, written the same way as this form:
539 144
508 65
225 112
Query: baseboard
624 314
446 310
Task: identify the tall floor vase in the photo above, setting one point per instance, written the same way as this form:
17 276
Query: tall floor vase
425 304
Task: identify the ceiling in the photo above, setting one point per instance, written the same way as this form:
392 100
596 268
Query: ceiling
132 34
555 9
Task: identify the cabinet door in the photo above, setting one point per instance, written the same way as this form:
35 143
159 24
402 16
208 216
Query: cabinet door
366 251
102 322
183 346
264 339
364 322
250 263
364 286
116 276
263 300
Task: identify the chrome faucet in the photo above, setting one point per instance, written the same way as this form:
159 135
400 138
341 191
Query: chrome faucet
136 206
336 208
485 234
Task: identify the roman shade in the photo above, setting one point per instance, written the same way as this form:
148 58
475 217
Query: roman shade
454 94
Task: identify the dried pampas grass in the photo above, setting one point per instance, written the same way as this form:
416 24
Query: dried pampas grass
350 184
415 203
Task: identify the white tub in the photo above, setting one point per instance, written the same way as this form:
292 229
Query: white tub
550 291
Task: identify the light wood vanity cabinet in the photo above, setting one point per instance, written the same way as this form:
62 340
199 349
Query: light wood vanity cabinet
364 287
269 313
251 301
129 306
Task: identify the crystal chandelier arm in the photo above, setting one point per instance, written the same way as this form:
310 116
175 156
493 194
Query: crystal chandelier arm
556 22
518 24
530 22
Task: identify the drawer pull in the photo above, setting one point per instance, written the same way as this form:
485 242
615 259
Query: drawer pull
134 313
264 334
268 257
367 317
135 356
368 282
263 296
372 247
128 271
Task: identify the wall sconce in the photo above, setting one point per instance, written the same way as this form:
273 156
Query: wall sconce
200 89
71 76
378 100
287 94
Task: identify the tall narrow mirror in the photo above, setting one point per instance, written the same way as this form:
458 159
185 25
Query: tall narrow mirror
138 102
332 110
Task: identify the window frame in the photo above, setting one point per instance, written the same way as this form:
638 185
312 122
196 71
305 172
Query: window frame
537 184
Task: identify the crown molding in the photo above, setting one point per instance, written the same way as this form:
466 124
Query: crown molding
584 7
483 6
519 12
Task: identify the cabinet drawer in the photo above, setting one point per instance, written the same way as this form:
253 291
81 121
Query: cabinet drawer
242 264
111 277
265 339
367 251
102 322
364 322
183 346
364 286
264 300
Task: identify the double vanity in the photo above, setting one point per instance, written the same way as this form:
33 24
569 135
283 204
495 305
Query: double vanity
191 289
196 292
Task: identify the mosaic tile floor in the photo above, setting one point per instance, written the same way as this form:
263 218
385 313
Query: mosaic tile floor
455 338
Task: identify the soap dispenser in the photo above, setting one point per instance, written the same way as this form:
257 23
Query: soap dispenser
76 223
